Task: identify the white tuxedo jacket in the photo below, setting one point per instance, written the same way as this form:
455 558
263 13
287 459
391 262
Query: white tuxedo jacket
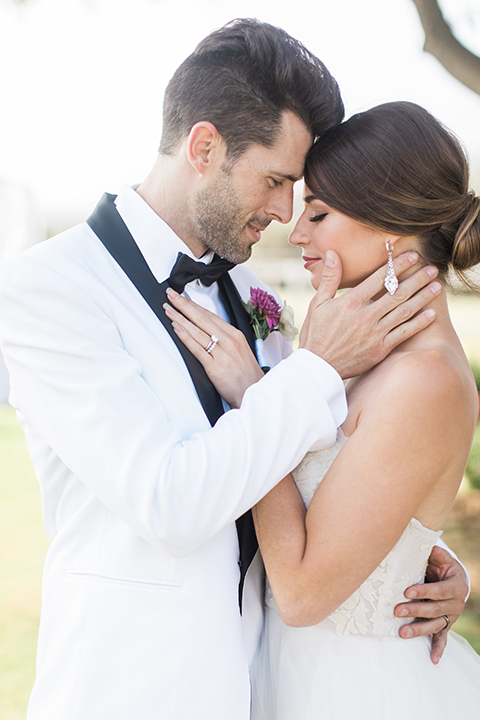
140 615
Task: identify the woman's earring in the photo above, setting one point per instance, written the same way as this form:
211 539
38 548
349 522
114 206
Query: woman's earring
391 281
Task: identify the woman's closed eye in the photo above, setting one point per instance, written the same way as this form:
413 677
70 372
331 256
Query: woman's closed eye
318 218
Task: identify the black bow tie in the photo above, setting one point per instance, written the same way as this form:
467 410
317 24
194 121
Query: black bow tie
185 270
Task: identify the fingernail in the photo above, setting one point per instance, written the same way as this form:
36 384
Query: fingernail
411 594
166 306
436 288
432 271
403 612
329 259
171 293
174 323
413 257
407 633
430 314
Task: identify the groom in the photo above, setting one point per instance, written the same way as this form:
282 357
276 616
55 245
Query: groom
142 476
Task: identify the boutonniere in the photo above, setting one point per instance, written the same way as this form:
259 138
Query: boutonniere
267 316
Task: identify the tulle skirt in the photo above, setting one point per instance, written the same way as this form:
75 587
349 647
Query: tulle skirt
313 674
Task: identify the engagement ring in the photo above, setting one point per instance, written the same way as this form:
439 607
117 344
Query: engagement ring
211 344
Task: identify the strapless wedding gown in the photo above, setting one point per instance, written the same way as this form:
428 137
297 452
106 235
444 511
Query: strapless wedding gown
353 665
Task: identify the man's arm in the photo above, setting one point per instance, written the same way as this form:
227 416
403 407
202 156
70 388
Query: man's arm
87 398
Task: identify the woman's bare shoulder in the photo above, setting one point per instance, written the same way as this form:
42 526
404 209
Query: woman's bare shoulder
433 382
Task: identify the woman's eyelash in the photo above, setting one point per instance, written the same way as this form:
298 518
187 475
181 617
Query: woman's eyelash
317 218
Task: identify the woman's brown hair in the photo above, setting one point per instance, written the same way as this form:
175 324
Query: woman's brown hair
397 169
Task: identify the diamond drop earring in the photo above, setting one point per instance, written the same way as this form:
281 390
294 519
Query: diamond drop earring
391 281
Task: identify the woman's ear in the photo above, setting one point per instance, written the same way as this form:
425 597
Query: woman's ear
204 144
400 243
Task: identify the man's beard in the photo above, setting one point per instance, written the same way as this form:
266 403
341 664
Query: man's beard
220 221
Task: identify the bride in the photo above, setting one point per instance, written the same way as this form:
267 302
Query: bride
354 525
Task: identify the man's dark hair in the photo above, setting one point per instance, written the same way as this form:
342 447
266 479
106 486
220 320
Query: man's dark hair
241 78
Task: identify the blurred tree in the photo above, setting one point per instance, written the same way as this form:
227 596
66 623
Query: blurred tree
444 46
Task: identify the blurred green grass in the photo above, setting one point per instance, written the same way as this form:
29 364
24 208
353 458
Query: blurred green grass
23 544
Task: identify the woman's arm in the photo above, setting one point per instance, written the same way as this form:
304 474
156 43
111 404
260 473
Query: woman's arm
445 596
410 434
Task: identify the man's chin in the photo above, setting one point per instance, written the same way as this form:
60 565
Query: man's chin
236 256
231 249
247 255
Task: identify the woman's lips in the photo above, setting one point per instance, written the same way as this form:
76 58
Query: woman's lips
309 261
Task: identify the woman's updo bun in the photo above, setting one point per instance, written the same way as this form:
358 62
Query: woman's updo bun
399 170
466 246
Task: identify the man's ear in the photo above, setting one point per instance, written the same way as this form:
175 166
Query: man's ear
204 144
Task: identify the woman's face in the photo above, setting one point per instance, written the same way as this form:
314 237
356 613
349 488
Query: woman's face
321 228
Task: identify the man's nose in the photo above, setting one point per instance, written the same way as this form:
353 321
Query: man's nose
280 208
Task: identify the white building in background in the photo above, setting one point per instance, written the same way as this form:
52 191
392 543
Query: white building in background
20 228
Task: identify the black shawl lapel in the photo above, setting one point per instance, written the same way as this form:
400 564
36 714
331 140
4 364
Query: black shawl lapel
245 528
109 227
234 307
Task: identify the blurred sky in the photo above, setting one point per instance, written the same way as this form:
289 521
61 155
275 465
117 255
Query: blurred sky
82 81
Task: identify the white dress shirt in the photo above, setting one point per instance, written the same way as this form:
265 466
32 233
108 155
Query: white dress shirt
147 228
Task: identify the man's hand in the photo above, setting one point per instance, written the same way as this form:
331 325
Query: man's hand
443 594
356 330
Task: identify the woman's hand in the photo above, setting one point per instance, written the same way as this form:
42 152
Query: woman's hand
230 365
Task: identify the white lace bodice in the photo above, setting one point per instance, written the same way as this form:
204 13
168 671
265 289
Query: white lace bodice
369 610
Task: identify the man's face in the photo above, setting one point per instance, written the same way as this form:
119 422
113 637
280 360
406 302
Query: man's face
241 201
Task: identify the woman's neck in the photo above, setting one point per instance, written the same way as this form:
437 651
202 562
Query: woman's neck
439 331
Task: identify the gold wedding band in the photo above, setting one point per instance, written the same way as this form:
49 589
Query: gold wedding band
211 344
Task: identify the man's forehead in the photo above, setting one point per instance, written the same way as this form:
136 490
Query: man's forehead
292 146
284 161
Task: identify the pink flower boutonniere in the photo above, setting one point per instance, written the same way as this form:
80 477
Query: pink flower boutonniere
266 316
